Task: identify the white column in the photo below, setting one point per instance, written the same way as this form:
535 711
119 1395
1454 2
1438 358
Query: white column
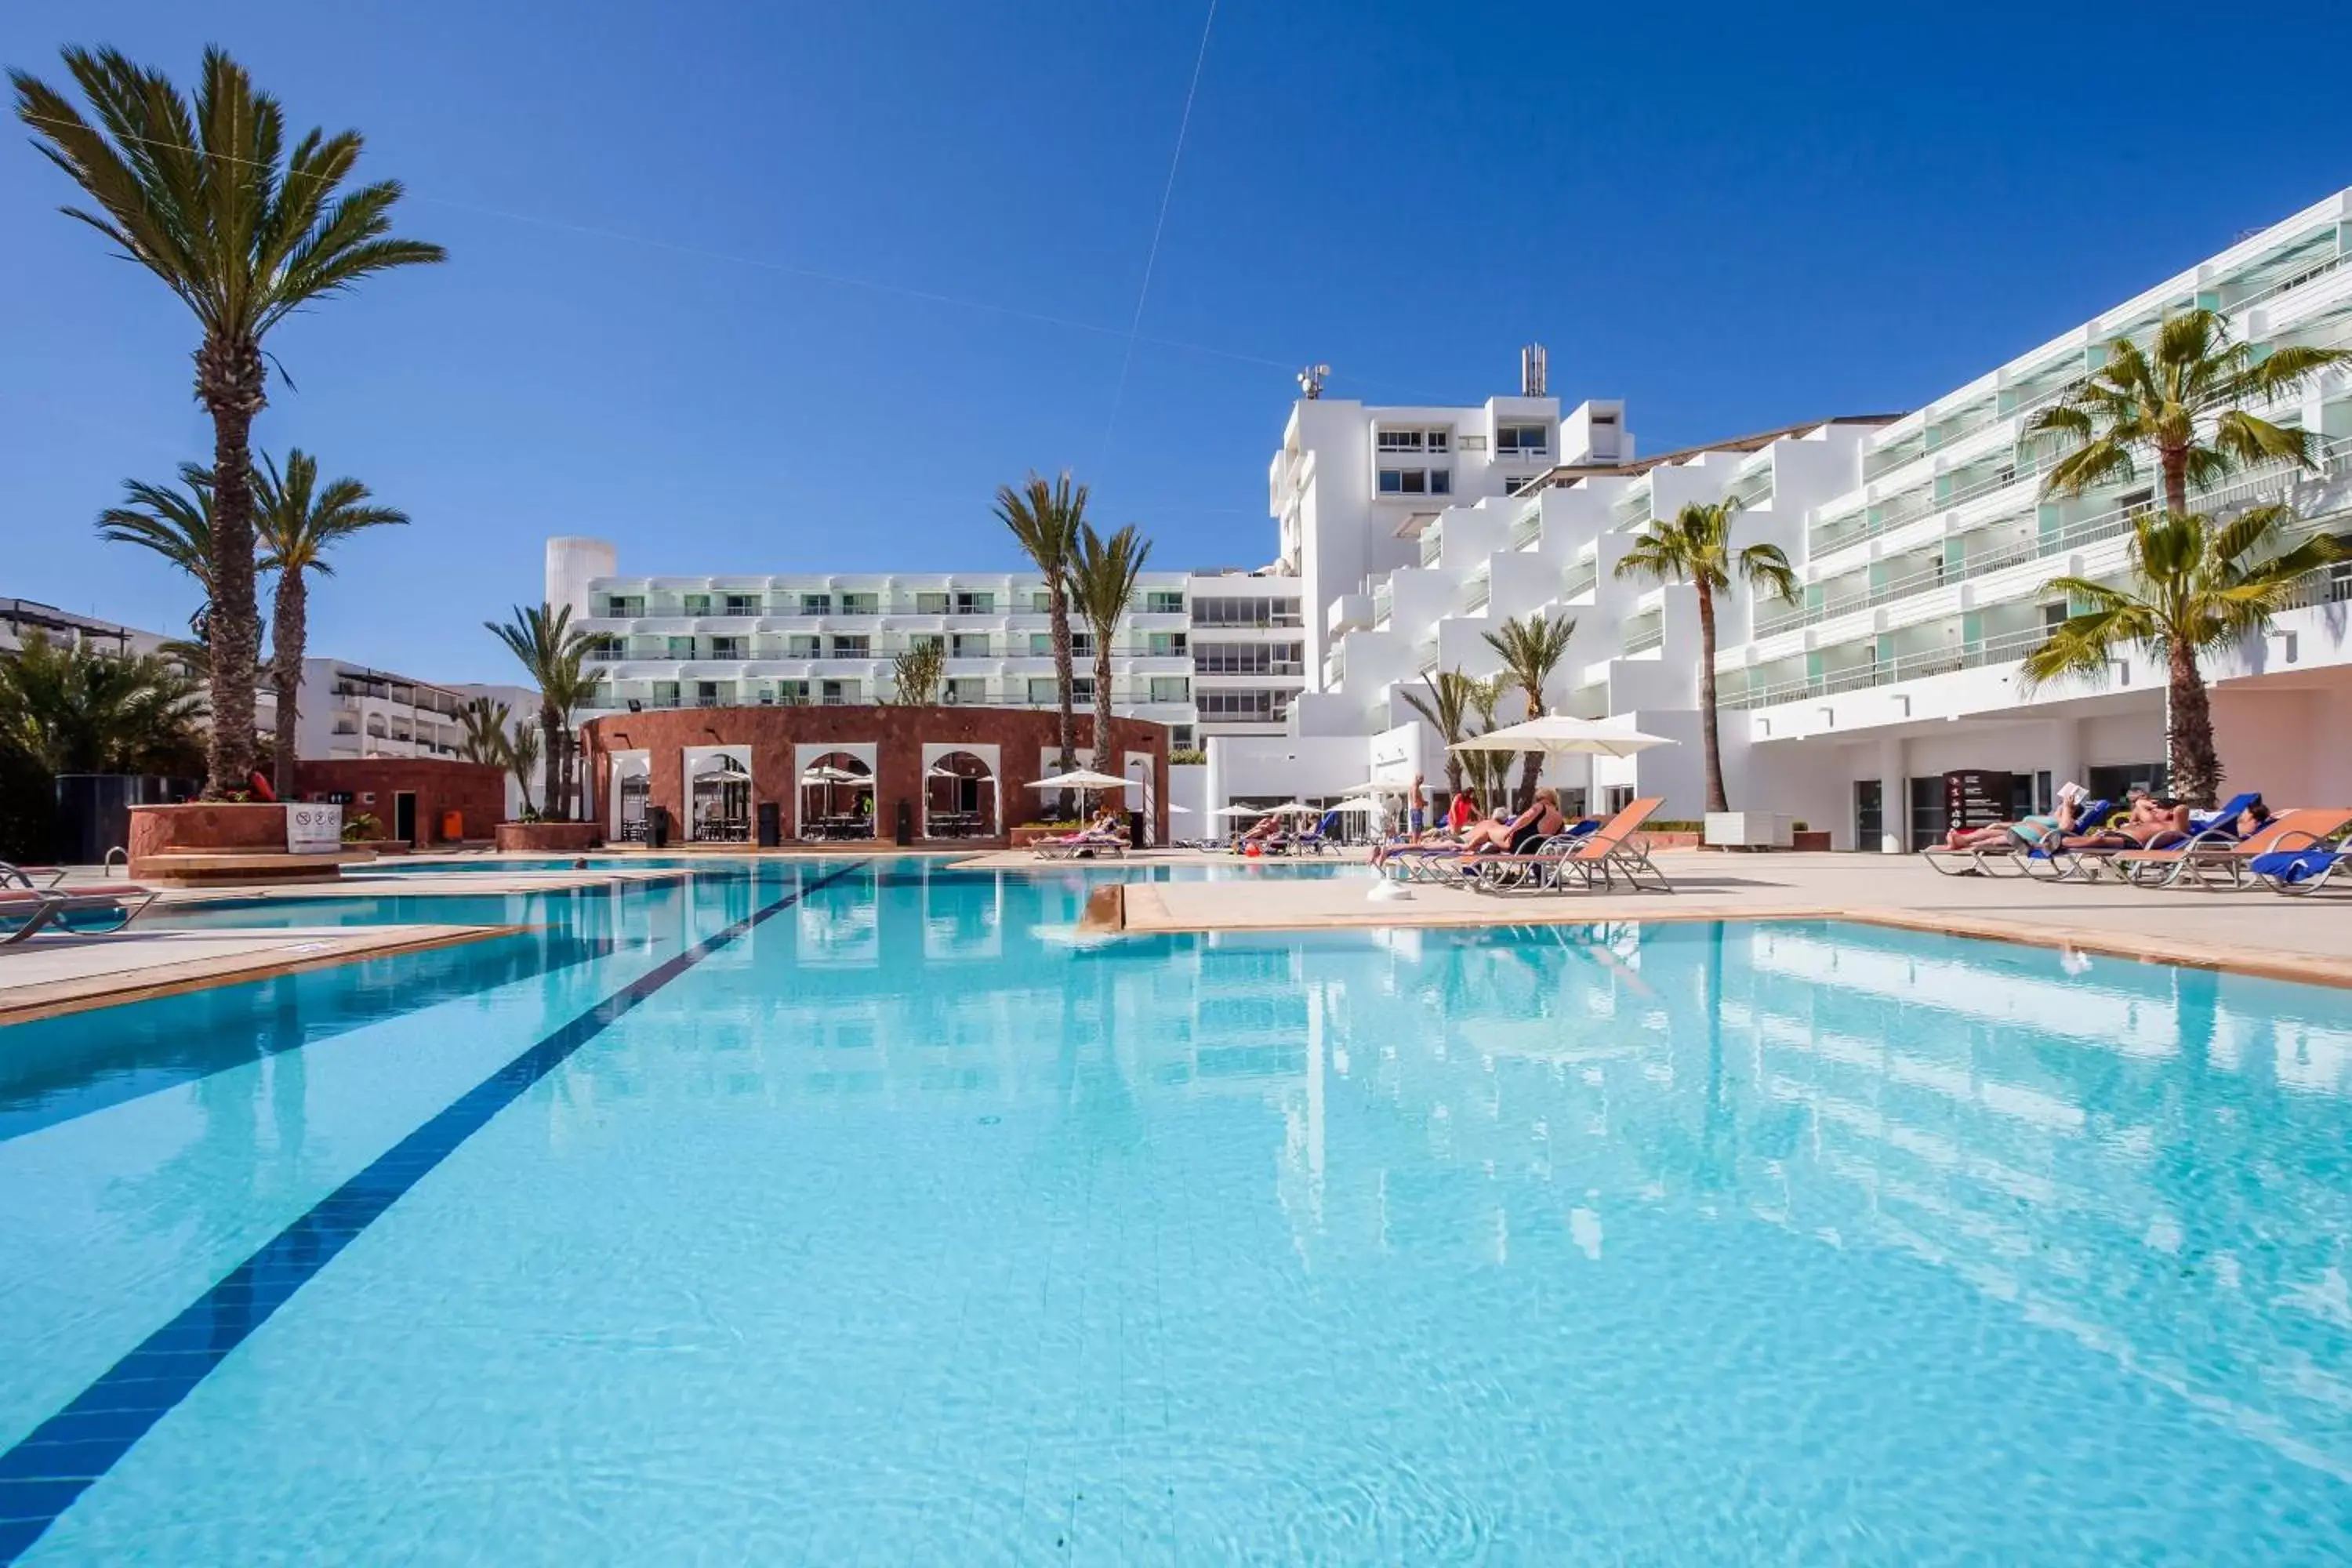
2064 748
1893 798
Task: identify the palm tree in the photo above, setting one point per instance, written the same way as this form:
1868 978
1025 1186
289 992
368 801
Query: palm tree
1046 520
548 646
2197 586
1695 548
1530 650
2156 405
1490 772
1447 708
298 523
1102 583
916 672
207 196
487 725
177 524
521 753
71 710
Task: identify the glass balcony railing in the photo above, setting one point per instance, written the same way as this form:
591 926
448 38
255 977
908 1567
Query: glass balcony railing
1642 639
1475 595
1527 529
1581 578
2005 648
1432 545
1754 489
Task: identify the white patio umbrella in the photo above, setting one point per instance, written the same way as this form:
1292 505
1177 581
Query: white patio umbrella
1298 808
824 773
1359 805
1238 811
1082 778
1559 735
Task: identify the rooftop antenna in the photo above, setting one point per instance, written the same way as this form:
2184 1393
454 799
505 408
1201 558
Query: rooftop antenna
1311 379
1531 371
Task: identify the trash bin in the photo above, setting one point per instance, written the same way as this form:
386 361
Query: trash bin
1135 828
905 824
658 826
772 825
453 827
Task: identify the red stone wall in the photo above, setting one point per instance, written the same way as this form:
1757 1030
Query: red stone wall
475 790
224 828
897 734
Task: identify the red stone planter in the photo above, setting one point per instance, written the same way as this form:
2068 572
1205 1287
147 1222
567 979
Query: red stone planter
548 838
1811 840
1670 840
223 842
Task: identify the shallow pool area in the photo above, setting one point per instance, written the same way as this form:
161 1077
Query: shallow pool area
831 1212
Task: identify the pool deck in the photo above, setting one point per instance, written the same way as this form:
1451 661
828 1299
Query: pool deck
53 974
2256 931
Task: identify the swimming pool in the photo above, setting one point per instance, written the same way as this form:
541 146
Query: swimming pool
844 1213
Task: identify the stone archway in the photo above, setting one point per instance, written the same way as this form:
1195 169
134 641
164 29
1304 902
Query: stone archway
836 796
959 796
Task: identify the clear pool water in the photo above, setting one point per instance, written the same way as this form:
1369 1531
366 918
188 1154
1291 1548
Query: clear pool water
834 1214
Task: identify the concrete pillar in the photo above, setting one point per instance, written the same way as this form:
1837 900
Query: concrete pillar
1894 797
2064 748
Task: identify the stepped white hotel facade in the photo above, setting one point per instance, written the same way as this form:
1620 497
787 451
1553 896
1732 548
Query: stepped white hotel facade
1925 544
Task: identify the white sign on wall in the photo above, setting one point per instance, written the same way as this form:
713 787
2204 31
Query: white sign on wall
314 827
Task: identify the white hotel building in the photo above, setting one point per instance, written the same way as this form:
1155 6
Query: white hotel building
1205 653
1925 544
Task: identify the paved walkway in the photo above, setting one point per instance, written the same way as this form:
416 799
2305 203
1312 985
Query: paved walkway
54 974
2256 931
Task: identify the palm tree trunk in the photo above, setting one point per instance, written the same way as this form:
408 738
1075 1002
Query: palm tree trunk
289 631
551 735
1067 734
1102 763
1708 746
1531 769
2194 767
231 385
2175 461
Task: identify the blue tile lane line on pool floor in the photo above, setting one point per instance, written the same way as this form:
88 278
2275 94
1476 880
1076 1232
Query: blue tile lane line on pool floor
42 1476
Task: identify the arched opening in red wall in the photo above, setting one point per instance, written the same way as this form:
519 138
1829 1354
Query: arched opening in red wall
837 797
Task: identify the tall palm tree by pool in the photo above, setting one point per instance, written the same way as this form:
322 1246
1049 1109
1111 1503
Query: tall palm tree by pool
1530 650
207 196
1695 548
1102 583
1045 519
552 650
2183 405
2197 586
298 523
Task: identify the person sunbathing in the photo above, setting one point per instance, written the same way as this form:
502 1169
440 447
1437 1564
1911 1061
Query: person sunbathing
2037 828
1268 827
1521 833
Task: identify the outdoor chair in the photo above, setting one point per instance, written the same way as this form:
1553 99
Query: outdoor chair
111 905
2217 859
1607 853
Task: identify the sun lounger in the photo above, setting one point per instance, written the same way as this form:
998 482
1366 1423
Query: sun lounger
1608 852
15 875
2217 859
111 905
1080 845
2014 854
1318 837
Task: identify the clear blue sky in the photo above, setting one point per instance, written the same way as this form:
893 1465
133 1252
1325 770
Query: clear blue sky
1734 219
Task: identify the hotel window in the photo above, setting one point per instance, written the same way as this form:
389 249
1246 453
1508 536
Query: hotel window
856 647
742 603
624 605
837 692
816 604
964 693
1041 644
1041 603
1416 481
727 648
920 640
1042 692
968 645
1164 601
792 693
681 647
931 603
607 645
1167 645
1082 689
697 604
975 603
1170 688
705 694
665 694
802 646
1082 645
1522 440
1517 482
861 604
